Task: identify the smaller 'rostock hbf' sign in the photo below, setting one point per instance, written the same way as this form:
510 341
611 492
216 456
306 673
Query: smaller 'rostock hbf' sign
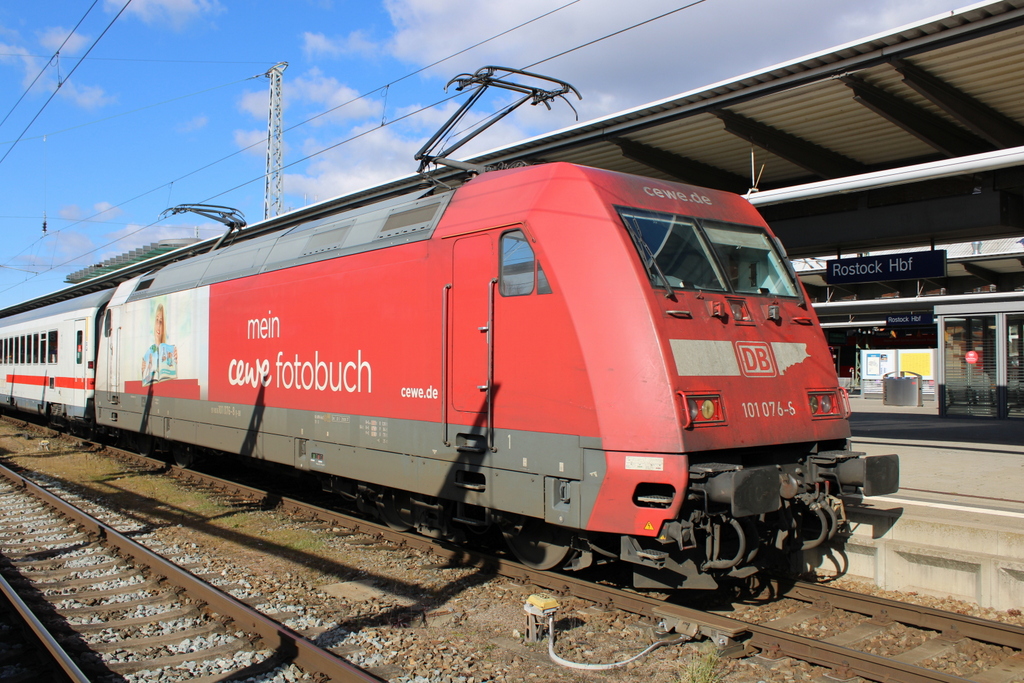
914 265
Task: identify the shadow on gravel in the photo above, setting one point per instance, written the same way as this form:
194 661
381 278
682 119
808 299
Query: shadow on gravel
145 510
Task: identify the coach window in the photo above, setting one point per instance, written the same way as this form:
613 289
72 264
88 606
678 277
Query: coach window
78 347
52 347
21 350
42 347
35 348
517 264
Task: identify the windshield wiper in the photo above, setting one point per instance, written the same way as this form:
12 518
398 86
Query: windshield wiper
639 239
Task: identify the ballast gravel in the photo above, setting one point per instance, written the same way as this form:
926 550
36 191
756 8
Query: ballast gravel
426 623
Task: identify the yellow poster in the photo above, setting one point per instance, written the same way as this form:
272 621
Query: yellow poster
919 362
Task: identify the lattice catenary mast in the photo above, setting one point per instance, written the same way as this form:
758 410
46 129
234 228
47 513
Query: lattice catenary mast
274 191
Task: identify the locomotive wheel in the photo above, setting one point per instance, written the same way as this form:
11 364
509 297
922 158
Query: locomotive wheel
395 509
145 444
537 544
184 455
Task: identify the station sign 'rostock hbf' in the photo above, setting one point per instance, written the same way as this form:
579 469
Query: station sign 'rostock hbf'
914 265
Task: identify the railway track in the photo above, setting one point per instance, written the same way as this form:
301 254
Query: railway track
119 611
849 647
28 652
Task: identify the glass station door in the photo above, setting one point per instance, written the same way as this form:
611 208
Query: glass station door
1015 365
970 365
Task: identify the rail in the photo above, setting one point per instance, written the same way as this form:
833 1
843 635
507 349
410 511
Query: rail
732 636
288 645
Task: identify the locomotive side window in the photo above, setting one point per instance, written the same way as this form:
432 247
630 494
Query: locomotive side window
672 250
750 260
543 287
52 347
517 265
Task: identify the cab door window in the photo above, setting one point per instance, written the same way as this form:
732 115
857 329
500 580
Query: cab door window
521 274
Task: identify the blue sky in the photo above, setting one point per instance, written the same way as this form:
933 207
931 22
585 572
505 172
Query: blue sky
161 111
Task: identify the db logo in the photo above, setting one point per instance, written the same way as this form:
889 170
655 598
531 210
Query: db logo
755 359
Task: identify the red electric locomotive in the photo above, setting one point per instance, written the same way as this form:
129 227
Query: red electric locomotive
607 367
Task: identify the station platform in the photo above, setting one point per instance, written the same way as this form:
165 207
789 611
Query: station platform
956 526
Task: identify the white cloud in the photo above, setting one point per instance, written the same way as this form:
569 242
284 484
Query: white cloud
685 50
254 142
12 54
53 37
69 244
325 92
105 211
196 123
864 21
316 45
381 154
83 95
318 92
255 104
58 246
174 13
71 212
101 212
86 96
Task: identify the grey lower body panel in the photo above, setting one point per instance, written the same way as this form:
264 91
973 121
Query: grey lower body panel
518 476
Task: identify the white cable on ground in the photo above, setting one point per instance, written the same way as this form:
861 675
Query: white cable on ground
600 667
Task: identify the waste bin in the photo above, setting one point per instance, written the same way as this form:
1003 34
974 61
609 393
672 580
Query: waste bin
903 389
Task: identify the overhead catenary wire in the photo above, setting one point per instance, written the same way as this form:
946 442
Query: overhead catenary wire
57 89
136 110
261 177
48 62
324 113
615 33
132 59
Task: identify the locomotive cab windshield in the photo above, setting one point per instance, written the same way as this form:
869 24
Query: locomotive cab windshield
688 253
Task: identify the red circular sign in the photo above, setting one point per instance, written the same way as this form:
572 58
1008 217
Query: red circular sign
971 357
